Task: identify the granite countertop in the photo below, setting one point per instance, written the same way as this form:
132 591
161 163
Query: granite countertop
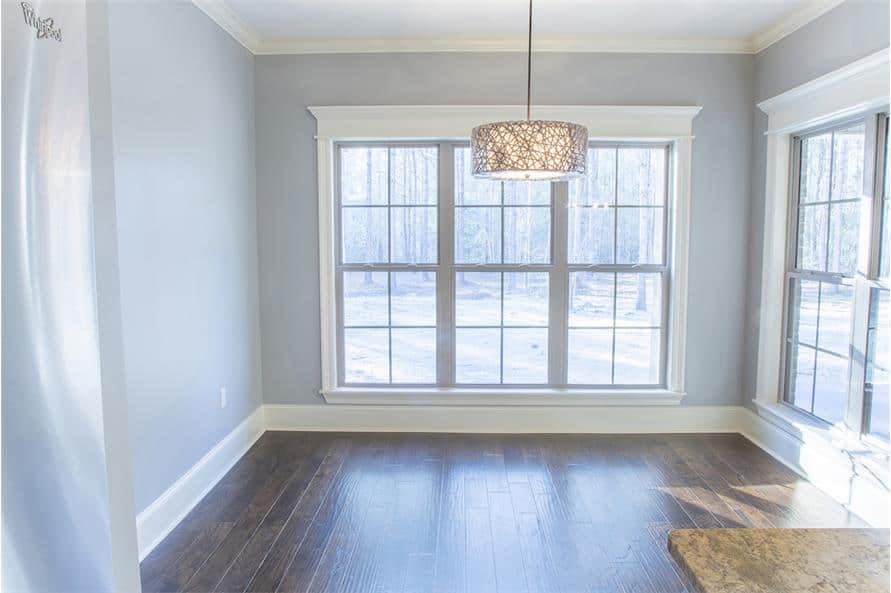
783 560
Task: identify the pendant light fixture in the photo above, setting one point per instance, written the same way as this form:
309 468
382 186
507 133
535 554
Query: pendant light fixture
530 149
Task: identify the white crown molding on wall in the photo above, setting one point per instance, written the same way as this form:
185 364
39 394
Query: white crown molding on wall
513 44
767 37
221 13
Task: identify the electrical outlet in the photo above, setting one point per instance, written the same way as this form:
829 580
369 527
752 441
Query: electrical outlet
223 397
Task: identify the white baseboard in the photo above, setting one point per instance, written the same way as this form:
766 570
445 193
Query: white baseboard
829 468
159 518
503 419
824 467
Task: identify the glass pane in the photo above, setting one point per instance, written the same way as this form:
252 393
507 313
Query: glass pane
591 235
639 300
831 387
640 236
642 176
591 299
414 235
365 298
844 224
835 318
477 235
599 184
877 362
801 373
363 175
525 299
812 230
847 163
590 356
366 355
527 193
413 175
478 298
414 355
527 235
364 235
525 355
637 356
413 298
804 328
469 189
815 160
477 355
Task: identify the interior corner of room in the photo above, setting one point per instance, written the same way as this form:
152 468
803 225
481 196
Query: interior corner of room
278 317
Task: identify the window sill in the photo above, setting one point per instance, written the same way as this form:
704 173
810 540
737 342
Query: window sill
450 396
870 457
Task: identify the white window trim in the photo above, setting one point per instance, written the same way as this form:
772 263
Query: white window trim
445 122
853 89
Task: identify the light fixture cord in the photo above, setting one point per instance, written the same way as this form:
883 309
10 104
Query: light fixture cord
529 68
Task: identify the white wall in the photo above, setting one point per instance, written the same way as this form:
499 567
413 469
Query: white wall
183 113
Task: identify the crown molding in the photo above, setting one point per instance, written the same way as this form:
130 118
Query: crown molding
222 14
767 37
219 12
505 44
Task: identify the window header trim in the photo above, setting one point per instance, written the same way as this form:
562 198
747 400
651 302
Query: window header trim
447 122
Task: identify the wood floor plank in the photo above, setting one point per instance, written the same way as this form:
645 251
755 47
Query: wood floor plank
247 563
418 513
294 532
300 573
204 513
450 560
206 578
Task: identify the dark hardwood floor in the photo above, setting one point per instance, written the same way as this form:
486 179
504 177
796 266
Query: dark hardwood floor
385 513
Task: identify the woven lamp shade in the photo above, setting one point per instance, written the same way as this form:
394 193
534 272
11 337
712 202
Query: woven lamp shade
529 150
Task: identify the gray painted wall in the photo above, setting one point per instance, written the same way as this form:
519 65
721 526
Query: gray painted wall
183 118
67 490
852 30
287 191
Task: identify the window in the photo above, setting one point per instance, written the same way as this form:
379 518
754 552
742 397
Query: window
878 343
830 305
446 280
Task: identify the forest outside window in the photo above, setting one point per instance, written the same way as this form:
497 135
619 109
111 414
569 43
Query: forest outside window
445 280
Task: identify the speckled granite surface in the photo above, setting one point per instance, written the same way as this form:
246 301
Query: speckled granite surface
783 560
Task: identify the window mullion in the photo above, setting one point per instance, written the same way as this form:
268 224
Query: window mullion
558 316
445 292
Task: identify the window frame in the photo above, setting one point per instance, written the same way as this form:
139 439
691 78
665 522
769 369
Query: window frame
863 278
796 273
558 270
424 124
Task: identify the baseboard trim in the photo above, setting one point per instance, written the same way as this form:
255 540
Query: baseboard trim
502 419
159 518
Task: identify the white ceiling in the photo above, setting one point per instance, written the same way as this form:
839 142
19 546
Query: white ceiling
335 26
